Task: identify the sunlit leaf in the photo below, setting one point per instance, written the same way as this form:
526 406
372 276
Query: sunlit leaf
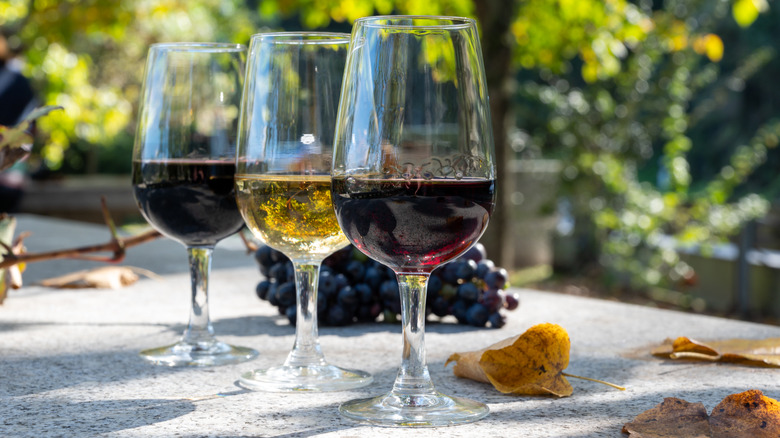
7 229
710 45
745 12
15 141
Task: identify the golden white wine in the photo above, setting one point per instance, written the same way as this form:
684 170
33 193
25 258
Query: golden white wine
291 213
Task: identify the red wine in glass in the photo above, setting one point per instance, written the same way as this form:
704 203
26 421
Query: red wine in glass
414 181
413 225
193 202
183 172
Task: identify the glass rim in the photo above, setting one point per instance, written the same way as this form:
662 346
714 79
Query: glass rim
457 22
303 38
199 47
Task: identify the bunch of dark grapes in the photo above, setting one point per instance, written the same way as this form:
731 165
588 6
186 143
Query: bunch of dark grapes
354 288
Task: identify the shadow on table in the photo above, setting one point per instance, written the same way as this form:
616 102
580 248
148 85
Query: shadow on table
584 414
90 418
280 326
33 375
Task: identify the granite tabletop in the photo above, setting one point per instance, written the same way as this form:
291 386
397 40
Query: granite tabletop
69 363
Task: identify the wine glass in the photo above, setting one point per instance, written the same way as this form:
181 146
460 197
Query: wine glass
283 183
183 168
414 181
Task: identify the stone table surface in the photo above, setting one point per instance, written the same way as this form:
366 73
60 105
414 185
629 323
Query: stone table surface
69 363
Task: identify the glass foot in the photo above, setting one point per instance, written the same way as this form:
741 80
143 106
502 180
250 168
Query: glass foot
427 410
305 378
199 354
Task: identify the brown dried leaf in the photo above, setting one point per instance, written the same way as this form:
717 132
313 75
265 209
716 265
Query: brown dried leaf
754 352
743 415
672 418
748 414
528 364
106 277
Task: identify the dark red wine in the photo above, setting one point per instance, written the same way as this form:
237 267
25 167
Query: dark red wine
415 225
193 202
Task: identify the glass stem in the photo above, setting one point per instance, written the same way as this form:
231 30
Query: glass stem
413 377
199 329
306 351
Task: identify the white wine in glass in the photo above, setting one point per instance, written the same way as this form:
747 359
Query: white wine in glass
283 183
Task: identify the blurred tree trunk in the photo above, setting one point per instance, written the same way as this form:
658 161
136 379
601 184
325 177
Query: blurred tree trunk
495 18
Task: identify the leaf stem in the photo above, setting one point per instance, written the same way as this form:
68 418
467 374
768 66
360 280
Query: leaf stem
595 380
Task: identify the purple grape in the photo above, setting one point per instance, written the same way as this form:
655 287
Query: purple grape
497 278
355 271
477 315
262 289
449 273
348 297
327 284
483 267
338 315
496 320
476 253
290 268
272 296
458 310
434 284
468 292
263 255
291 314
278 272
440 307
492 299
285 294
364 293
466 270
388 291
322 304
374 277
341 280
511 301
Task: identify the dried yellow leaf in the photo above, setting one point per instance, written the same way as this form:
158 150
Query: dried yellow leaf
528 364
754 352
107 277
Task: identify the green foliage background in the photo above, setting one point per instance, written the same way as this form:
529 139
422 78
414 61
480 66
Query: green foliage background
664 113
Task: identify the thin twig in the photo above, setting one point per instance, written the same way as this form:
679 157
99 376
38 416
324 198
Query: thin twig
117 245
250 245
